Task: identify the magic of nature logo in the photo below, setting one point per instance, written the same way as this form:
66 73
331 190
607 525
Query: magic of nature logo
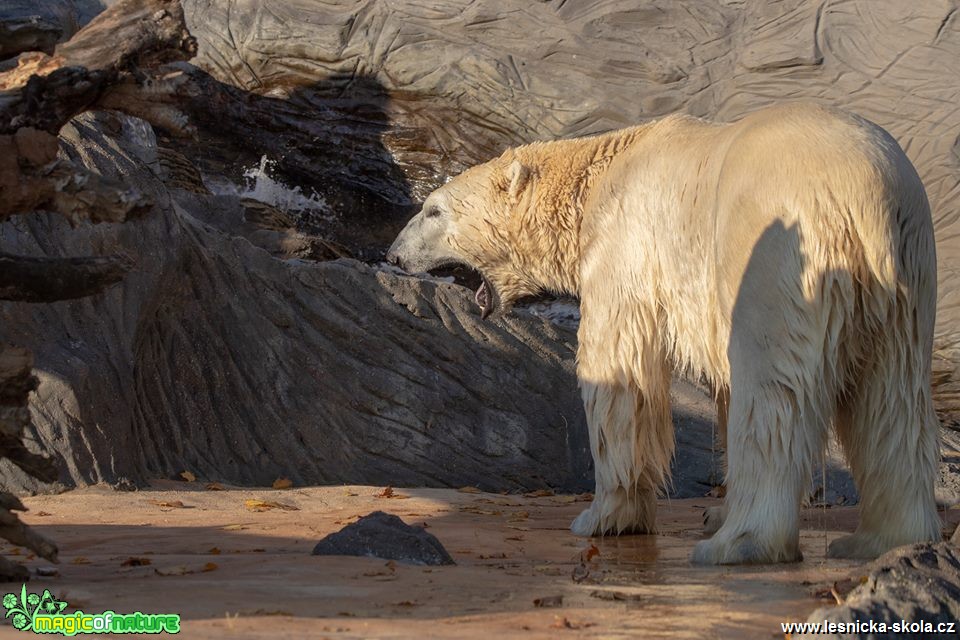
43 613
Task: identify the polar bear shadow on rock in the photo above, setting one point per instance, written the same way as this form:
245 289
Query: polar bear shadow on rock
788 258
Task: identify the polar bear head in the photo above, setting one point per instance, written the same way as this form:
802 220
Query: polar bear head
477 219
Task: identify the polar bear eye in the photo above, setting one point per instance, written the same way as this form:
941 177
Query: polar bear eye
432 212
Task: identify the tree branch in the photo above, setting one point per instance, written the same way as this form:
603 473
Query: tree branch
29 279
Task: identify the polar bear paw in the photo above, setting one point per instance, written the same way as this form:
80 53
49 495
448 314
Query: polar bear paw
587 524
713 518
857 546
742 549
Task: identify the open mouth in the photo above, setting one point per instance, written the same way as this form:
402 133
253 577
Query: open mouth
484 299
466 276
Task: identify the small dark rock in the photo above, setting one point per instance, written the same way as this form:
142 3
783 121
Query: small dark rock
125 484
381 535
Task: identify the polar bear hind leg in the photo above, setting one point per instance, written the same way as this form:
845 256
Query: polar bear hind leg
888 430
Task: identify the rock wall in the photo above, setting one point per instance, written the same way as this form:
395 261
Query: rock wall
469 77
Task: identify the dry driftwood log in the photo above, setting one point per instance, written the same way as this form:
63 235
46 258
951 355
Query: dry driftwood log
105 65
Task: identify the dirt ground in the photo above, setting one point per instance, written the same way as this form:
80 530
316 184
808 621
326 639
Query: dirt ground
232 572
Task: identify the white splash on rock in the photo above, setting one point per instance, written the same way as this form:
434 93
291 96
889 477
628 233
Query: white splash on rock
260 184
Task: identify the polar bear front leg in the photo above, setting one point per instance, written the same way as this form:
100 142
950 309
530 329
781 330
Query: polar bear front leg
631 437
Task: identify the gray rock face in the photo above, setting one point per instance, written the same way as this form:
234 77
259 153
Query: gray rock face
381 535
214 356
468 78
913 583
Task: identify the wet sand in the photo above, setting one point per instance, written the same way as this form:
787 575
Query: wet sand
232 572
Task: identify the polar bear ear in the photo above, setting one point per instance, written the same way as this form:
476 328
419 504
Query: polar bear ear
519 175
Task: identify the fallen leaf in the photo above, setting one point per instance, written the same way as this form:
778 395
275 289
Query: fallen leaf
565 623
268 612
548 602
718 491
564 499
168 504
215 551
80 560
518 516
478 511
234 527
210 566
188 476
492 556
267 505
580 573
469 490
173 571
215 486
539 493
514 538
135 562
406 603
589 553
619 596
42 514
282 483
388 492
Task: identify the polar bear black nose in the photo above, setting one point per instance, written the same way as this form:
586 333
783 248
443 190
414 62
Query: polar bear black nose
393 258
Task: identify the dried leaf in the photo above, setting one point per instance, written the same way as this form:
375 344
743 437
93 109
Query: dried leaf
564 499
539 493
42 514
215 486
214 551
618 596
234 527
282 483
267 505
548 602
80 560
388 492
188 476
179 570
210 566
589 553
565 623
580 573
168 504
135 562
469 490
718 491
518 516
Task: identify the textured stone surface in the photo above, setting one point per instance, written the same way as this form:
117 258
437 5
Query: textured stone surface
382 535
214 356
467 78
913 583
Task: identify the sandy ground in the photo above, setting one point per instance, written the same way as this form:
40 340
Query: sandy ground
233 572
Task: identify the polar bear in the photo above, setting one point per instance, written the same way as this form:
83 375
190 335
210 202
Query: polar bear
787 257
